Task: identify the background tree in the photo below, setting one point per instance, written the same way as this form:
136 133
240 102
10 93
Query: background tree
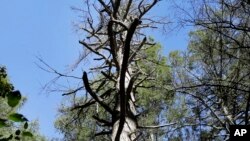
215 75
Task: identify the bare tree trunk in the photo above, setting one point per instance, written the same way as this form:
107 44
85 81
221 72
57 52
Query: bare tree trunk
152 136
128 132
118 36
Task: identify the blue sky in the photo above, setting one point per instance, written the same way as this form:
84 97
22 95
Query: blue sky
31 28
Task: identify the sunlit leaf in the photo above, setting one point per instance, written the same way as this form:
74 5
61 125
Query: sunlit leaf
17 117
28 134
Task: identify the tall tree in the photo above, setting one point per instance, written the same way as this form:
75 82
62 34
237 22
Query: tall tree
115 36
153 97
215 75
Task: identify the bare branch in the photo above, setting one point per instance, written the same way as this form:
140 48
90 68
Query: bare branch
157 126
97 98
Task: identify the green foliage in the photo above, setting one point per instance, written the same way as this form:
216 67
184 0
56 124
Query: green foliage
155 94
178 110
175 58
78 126
5 86
12 125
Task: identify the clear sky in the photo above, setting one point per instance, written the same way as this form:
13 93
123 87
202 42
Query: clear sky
30 28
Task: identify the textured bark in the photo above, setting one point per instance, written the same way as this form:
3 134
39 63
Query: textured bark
128 132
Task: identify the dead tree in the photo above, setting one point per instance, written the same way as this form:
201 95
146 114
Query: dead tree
114 31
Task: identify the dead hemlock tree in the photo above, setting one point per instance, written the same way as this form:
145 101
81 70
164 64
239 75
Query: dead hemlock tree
115 40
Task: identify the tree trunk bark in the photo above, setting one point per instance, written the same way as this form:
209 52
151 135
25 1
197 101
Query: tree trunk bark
128 132
130 125
152 136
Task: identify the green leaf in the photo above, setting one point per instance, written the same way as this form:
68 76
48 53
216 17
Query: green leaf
17 117
17 138
3 123
25 125
17 132
27 134
14 98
